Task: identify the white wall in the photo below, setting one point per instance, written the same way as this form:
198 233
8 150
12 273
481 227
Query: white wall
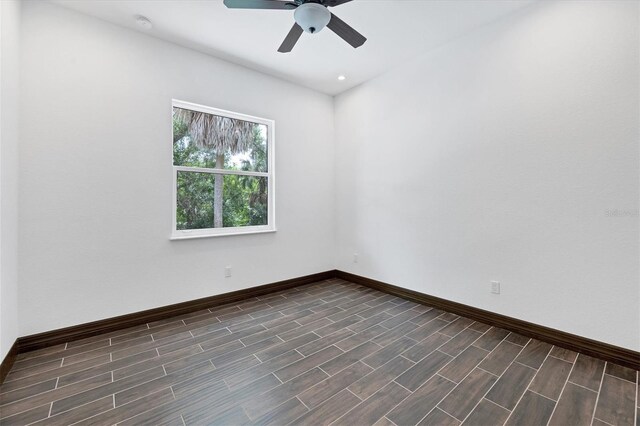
496 157
9 101
95 173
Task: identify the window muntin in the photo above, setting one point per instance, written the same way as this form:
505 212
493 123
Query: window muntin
223 172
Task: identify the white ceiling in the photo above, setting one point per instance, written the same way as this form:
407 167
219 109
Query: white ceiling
396 30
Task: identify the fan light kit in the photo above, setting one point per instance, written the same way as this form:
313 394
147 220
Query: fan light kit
310 16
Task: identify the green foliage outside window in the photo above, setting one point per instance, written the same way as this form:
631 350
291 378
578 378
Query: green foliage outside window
243 199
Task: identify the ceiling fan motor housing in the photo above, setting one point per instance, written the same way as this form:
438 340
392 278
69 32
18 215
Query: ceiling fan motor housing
312 17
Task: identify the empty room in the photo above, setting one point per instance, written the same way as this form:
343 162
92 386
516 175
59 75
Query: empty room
320 212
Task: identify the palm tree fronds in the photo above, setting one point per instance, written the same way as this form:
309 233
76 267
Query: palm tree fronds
215 132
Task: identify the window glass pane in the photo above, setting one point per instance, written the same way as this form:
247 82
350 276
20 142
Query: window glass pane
206 200
245 200
208 140
195 199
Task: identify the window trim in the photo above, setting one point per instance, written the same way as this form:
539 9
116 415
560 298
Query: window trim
177 234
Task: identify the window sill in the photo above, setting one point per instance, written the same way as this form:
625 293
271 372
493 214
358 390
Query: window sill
191 236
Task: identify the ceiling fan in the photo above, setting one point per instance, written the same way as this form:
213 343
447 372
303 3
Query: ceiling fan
310 16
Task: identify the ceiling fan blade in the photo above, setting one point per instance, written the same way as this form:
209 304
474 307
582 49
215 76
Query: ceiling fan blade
345 32
259 4
334 3
291 39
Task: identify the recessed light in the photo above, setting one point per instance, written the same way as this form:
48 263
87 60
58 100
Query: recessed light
143 22
342 77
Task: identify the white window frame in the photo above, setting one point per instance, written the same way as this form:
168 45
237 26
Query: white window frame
177 234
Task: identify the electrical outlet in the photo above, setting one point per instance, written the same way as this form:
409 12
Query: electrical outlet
495 287
227 271
355 257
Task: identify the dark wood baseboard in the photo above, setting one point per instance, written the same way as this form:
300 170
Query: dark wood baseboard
594 348
8 361
584 345
76 332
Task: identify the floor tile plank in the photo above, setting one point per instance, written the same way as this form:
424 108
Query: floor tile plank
500 358
346 359
427 330
282 414
511 385
534 354
55 395
329 411
398 319
132 410
575 406
421 402
18 394
330 351
426 317
616 401
551 378
233 416
369 322
426 347
134 364
532 410
197 414
156 384
621 372
460 342
73 401
563 354
360 338
437 417
456 327
414 377
326 341
487 413
587 372
30 415
286 346
461 401
480 327
305 364
492 338
463 364
249 374
395 333
384 422
517 339
324 390
389 352
373 382
80 413
374 408
264 403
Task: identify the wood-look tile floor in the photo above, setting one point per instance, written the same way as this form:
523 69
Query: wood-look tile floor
328 353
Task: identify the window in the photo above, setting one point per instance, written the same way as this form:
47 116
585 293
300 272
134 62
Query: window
222 172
